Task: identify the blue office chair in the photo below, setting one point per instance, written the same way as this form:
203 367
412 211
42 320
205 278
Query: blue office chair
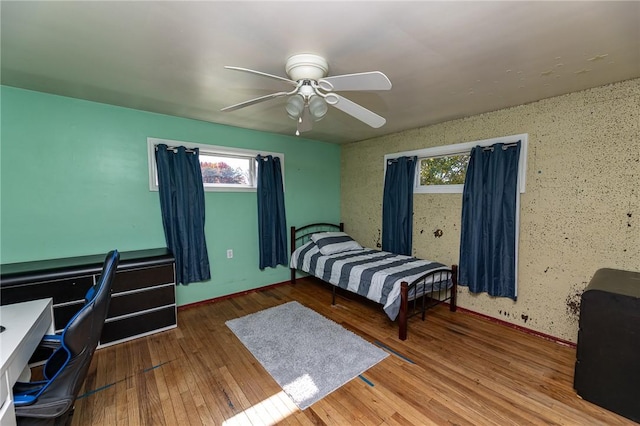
50 401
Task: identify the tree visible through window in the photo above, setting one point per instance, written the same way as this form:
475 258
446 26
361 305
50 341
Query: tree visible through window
225 170
447 170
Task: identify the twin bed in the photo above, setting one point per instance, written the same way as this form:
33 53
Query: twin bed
404 285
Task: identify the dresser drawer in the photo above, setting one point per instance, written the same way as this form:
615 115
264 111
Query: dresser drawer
141 278
141 300
61 291
63 314
133 326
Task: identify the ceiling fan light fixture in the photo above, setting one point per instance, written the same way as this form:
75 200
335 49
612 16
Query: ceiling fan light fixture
295 106
317 107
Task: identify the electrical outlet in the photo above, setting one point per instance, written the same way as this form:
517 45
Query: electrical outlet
230 254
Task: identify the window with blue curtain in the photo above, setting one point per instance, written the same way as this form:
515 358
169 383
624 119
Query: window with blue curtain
272 221
183 215
397 205
488 245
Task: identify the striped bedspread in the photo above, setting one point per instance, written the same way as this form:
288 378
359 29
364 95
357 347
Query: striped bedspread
371 273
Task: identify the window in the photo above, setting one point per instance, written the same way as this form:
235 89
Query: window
442 169
445 170
223 168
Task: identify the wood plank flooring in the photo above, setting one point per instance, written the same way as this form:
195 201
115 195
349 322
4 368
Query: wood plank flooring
455 368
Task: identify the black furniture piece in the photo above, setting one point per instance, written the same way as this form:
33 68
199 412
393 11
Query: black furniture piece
607 371
143 296
50 401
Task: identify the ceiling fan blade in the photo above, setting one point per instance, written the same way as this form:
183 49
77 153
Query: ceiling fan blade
374 80
355 110
264 74
255 101
305 122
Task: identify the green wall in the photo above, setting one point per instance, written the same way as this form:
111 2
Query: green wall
74 181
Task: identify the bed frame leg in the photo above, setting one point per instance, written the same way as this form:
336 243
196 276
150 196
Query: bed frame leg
453 303
404 306
292 233
333 295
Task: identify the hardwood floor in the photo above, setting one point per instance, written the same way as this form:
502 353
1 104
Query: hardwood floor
455 368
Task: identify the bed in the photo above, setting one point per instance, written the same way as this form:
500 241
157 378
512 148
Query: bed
404 285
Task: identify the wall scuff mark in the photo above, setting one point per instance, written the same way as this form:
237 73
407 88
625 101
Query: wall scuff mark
573 302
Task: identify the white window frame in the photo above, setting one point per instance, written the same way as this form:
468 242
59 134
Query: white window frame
224 151
462 148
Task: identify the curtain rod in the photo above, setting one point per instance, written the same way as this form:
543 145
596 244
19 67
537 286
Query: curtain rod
175 148
504 146
193 151
395 160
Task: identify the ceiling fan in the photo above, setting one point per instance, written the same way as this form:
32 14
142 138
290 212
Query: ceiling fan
313 91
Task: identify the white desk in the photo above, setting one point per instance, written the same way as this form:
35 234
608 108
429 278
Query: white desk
25 324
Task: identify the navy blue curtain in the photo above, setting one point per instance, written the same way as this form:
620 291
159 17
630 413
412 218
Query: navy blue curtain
488 234
182 205
272 220
397 205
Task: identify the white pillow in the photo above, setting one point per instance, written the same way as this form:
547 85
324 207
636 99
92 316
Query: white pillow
334 242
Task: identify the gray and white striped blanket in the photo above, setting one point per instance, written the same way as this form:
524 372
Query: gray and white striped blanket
371 273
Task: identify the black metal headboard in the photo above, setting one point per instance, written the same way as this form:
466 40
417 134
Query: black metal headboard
302 234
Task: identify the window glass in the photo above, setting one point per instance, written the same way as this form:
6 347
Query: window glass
226 170
446 170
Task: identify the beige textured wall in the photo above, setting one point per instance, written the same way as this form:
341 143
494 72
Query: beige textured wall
580 212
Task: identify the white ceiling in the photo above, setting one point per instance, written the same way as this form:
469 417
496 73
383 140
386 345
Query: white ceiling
445 60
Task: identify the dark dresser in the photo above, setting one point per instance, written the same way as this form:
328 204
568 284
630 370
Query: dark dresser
607 371
143 299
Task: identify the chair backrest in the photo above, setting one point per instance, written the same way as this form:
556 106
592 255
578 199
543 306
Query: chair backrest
84 329
67 367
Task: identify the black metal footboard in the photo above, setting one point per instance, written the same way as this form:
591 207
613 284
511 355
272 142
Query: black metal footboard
430 290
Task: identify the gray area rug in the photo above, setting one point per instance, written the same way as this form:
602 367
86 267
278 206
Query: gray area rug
308 355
